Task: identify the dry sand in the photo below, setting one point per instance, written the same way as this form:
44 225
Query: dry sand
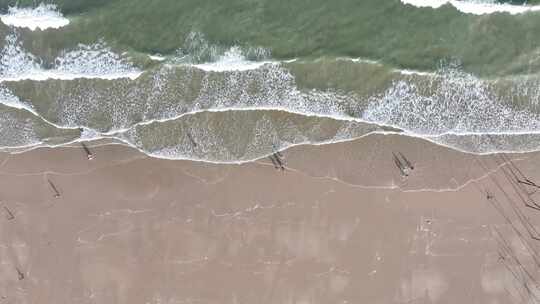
339 225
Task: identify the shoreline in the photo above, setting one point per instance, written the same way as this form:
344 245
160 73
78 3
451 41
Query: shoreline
427 139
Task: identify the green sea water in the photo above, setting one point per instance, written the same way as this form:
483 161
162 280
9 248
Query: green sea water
235 80
401 35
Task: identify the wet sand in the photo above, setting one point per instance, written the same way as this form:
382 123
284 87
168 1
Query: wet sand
339 225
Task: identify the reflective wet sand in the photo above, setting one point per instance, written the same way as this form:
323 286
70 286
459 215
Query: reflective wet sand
341 224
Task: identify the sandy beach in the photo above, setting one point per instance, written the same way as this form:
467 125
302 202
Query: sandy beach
340 224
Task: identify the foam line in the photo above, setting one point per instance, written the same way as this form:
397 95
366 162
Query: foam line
476 7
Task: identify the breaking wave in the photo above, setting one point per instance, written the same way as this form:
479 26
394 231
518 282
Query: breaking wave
231 60
42 17
85 61
240 115
476 7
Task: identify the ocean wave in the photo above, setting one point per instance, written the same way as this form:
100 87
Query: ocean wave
454 101
375 62
14 60
231 60
476 7
157 57
21 128
234 136
487 143
442 107
198 52
43 17
8 99
85 61
205 136
95 61
214 136
167 93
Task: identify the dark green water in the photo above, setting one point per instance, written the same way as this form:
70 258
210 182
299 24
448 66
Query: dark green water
386 30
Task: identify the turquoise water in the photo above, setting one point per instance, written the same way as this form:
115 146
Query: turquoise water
231 81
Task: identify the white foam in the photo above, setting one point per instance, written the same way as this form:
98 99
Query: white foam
414 72
8 99
360 60
476 7
452 102
456 102
42 75
291 60
94 61
86 61
14 60
232 60
43 17
156 57
16 131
